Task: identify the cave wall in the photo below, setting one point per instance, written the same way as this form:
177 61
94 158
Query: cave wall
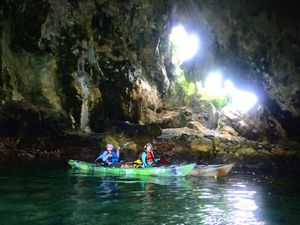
122 50
117 46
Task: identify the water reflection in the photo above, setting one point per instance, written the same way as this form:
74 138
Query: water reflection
43 196
183 200
224 204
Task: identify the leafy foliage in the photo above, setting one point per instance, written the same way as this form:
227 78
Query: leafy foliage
189 88
217 100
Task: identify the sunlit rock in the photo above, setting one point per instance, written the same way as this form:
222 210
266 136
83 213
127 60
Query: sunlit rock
204 145
246 151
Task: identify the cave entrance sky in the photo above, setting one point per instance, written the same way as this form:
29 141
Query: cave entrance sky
185 47
238 99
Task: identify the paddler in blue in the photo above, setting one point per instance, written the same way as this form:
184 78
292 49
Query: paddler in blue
110 155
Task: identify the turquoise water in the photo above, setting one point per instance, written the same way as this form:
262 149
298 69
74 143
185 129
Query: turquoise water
44 193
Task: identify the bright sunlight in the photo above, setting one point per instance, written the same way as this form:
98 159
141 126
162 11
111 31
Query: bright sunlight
225 93
239 99
186 45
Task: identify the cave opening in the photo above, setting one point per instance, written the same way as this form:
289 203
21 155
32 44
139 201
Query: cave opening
185 45
213 87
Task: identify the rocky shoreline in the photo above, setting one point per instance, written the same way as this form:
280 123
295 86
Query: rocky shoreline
187 145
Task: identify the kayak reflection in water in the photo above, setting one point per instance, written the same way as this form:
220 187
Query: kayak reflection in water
147 188
109 187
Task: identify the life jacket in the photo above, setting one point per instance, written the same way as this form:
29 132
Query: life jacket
113 156
150 156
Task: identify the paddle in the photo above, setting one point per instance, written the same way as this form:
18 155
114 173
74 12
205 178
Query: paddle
123 145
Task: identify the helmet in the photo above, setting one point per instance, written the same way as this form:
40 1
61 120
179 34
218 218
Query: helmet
109 145
148 144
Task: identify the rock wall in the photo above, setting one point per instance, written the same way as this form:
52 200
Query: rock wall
53 53
110 60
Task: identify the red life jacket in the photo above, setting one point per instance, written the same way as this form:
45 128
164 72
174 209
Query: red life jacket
150 156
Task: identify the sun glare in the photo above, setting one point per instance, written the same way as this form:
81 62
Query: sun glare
239 99
213 83
186 45
214 86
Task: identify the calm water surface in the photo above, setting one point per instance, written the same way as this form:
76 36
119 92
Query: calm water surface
44 193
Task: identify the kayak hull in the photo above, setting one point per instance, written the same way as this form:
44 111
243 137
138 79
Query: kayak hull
162 171
218 170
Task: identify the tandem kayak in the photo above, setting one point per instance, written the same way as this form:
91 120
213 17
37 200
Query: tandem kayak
162 171
212 170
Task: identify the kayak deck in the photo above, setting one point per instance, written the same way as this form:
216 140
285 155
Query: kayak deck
163 171
212 170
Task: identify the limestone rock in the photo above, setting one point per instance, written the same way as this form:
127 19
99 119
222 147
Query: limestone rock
201 146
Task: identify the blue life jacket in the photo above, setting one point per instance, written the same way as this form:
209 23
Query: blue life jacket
114 156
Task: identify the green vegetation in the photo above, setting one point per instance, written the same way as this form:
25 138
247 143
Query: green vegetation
190 89
217 99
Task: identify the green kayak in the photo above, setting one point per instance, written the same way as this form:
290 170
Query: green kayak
162 171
